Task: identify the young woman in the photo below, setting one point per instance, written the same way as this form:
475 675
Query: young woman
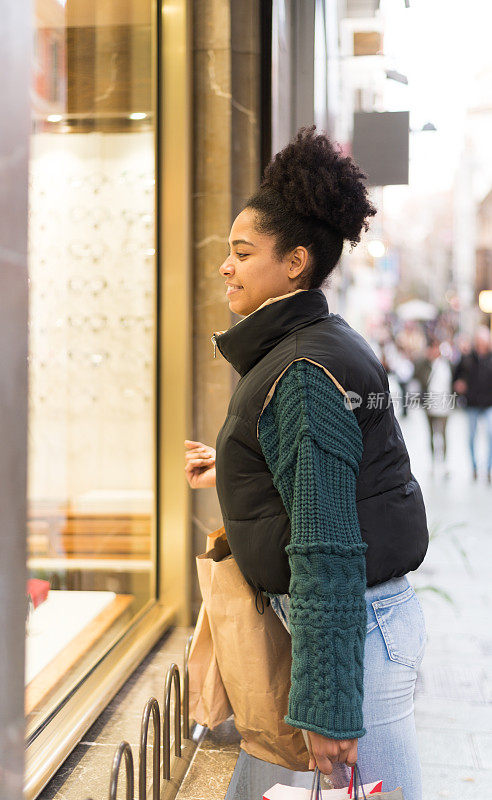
320 506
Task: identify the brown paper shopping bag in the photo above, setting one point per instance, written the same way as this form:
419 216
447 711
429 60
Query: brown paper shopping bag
209 704
254 658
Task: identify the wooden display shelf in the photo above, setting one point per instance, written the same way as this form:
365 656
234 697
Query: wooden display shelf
92 564
61 532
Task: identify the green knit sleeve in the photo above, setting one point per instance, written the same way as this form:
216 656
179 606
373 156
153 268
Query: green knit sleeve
312 444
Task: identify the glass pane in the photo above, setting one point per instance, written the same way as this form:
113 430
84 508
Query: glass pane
91 521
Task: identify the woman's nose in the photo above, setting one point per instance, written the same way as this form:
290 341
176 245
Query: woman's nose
226 268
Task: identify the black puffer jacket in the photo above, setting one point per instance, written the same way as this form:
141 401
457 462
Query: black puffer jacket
390 505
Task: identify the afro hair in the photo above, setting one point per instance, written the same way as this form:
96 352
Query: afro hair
312 195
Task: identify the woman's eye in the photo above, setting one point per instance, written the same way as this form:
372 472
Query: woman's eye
242 255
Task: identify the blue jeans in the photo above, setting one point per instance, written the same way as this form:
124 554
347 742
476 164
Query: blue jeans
394 648
473 416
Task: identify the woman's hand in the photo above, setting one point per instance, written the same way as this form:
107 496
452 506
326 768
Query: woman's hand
325 752
199 465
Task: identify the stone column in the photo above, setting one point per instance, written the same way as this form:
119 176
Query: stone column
15 53
226 151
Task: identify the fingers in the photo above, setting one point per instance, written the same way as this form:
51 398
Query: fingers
340 750
352 754
198 454
189 443
324 764
200 478
199 464
347 752
190 474
202 461
195 471
198 446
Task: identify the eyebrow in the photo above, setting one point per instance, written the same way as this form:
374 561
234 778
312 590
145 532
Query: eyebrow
242 241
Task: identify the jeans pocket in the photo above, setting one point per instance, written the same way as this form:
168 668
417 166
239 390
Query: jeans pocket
281 605
402 624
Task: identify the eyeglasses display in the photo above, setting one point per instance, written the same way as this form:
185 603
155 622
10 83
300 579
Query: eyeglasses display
92 328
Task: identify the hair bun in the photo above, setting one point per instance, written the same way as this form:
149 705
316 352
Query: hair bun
315 180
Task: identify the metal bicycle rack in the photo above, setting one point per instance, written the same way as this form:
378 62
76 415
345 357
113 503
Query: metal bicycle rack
186 688
171 678
152 709
125 750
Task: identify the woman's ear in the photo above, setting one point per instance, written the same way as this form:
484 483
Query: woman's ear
298 262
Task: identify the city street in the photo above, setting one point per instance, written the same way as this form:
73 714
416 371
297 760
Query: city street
194 195
453 701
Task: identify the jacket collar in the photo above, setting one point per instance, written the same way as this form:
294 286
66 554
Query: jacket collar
246 342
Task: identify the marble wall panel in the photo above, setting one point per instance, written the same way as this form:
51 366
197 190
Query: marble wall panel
245 30
245 120
212 24
226 170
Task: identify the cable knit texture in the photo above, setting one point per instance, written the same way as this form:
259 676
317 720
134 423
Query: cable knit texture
313 447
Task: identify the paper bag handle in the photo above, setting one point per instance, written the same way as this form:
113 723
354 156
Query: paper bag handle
354 781
354 778
316 787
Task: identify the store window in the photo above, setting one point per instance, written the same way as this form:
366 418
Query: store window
92 339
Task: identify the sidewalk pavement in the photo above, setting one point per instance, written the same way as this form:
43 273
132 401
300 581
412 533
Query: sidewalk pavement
453 696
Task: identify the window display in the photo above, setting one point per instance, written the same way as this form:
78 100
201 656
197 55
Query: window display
92 333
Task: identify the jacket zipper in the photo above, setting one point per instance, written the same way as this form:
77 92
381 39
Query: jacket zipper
282 297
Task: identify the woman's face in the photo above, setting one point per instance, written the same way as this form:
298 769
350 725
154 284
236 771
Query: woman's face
252 272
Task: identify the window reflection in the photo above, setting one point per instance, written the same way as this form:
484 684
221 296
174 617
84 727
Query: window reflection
91 338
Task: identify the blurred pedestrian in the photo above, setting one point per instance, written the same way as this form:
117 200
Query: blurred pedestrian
411 339
472 378
435 375
402 368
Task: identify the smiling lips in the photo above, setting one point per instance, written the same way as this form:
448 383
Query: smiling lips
232 289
